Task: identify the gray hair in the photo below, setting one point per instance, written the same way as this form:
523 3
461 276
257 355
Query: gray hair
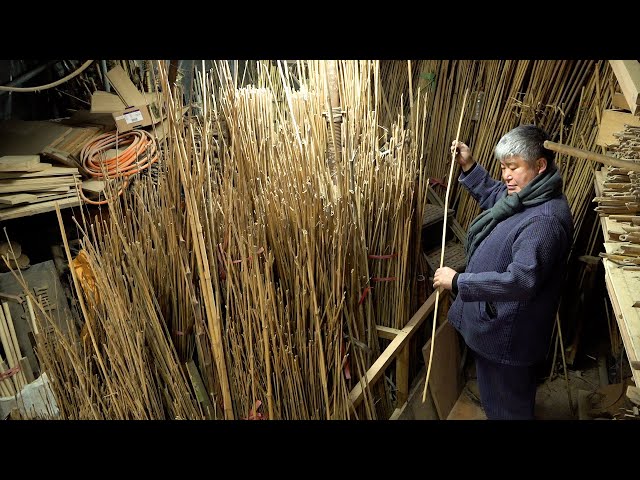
527 142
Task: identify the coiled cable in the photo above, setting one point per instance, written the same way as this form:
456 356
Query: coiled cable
137 150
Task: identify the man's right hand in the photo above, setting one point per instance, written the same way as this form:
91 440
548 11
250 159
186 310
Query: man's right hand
463 155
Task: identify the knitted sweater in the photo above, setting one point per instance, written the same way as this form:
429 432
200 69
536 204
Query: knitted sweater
509 293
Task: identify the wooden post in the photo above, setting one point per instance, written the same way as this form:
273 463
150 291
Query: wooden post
402 376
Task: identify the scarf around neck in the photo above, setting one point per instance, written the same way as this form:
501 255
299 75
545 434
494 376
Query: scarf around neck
543 187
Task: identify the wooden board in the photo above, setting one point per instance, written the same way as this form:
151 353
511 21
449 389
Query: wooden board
105 102
126 89
444 381
628 74
618 101
19 163
67 148
44 198
37 208
17 198
622 286
50 171
18 137
36 184
624 290
613 121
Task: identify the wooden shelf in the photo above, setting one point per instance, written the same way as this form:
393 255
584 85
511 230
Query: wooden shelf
623 287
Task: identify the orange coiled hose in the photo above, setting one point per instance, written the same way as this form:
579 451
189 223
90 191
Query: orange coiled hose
137 151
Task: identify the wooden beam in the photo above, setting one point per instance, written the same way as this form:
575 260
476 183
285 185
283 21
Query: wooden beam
402 376
612 122
383 361
628 74
594 157
387 332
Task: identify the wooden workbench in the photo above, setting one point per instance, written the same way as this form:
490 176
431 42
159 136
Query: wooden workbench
623 287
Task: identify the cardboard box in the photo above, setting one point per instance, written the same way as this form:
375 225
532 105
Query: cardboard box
132 117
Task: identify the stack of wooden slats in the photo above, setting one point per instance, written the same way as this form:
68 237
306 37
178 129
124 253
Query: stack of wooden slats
620 199
29 186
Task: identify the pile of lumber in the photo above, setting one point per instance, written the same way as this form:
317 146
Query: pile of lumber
29 186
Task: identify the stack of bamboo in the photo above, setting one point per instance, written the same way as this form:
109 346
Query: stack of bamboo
564 97
29 186
246 281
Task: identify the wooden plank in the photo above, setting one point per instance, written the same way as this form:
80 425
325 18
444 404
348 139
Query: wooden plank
618 101
613 121
402 376
445 383
16 198
377 369
105 102
386 332
18 137
44 198
93 186
627 73
621 286
125 88
49 172
19 163
36 187
43 207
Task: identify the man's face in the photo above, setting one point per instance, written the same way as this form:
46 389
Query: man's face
517 173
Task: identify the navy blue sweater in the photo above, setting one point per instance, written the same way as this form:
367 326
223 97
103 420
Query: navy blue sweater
509 293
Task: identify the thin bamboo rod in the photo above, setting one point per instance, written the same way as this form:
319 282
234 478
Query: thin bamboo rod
442 248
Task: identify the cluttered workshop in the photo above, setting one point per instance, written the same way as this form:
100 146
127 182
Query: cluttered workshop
320 239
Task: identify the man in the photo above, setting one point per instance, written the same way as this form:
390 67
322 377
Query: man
517 251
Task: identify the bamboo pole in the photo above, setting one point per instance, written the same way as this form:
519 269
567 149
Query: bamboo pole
14 340
442 248
592 156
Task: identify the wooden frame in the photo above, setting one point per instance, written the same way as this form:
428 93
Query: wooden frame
397 350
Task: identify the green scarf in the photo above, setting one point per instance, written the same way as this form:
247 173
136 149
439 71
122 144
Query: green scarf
543 187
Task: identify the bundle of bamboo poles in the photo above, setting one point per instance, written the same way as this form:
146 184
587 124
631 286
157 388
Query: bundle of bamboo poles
564 97
12 367
248 259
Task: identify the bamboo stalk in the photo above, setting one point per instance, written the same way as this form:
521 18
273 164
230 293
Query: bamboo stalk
444 234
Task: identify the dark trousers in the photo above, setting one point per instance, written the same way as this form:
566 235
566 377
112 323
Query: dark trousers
506 392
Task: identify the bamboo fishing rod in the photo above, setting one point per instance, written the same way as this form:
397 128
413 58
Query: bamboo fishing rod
594 157
444 236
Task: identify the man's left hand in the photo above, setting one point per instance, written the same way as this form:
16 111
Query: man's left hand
443 278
